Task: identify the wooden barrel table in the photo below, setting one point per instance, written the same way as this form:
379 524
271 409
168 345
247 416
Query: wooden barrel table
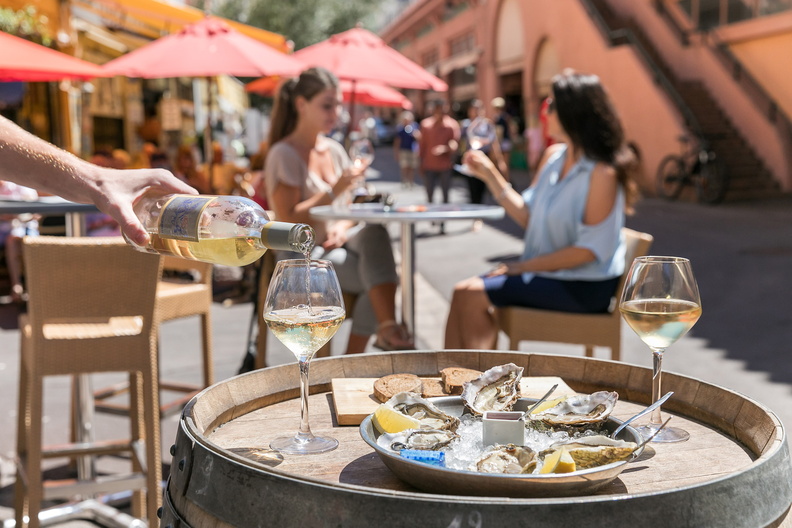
735 470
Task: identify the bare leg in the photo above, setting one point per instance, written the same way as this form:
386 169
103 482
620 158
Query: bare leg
470 322
357 343
383 302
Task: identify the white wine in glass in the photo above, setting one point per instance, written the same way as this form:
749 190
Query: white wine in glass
303 309
661 303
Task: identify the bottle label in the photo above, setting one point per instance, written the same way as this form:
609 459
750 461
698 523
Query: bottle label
181 216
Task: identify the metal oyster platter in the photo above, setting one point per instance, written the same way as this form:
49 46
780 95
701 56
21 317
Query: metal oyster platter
434 479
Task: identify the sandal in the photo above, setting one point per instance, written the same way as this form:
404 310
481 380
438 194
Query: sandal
393 336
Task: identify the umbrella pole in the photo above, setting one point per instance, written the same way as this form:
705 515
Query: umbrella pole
351 115
210 162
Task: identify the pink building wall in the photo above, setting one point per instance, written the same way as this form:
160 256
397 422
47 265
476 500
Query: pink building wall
650 117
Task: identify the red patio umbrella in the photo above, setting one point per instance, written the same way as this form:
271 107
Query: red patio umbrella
360 55
366 92
206 48
22 60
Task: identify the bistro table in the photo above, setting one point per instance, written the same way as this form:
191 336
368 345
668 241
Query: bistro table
407 216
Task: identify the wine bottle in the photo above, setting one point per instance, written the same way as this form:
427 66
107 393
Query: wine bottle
228 230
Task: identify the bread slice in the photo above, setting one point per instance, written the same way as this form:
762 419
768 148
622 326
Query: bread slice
386 387
455 377
433 388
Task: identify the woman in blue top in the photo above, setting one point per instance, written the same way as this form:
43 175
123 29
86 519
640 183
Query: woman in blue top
573 214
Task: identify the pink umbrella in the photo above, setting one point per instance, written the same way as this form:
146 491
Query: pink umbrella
22 60
207 48
360 55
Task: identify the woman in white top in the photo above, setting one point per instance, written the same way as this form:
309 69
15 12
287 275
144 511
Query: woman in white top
303 169
572 213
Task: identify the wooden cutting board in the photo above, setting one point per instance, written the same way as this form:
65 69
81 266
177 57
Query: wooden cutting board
354 397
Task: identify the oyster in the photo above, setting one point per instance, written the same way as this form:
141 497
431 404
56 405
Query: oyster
424 439
506 459
593 451
497 389
577 412
430 416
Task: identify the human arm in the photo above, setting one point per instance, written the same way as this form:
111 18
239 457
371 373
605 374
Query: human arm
587 247
496 154
483 168
28 160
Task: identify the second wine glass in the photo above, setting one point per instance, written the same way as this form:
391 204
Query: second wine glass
660 302
303 309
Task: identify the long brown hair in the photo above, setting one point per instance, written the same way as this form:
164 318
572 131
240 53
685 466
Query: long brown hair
589 119
311 82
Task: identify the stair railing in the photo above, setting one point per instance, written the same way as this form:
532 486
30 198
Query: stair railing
626 35
747 82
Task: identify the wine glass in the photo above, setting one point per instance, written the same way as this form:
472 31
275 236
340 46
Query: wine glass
661 303
361 152
304 308
481 132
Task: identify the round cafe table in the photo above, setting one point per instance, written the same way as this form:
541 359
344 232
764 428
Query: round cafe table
408 216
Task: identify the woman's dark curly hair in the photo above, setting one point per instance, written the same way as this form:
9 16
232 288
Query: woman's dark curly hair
590 120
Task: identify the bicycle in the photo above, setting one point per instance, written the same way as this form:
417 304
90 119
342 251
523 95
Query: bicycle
699 167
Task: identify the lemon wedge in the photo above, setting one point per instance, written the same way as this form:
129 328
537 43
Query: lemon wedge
559 461
388 420
548 404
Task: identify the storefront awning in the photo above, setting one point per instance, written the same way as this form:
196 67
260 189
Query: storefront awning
153 19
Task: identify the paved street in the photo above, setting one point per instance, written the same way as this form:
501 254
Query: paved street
741 254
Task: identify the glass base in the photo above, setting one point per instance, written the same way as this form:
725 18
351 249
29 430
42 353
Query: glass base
667 435
292 445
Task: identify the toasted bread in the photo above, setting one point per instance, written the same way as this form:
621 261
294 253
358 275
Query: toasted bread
386 387
433 388
455 377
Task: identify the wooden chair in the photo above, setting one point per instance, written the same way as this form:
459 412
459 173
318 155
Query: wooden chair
91 309
602 329
176 298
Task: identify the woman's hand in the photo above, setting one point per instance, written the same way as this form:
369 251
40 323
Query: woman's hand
349 178
336 237
505 268
480 164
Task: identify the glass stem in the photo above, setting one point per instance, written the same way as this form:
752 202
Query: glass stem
304 435
655 419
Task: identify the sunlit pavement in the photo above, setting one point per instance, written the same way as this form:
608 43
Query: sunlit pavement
741 254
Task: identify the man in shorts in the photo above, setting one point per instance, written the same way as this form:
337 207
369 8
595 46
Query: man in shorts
405 148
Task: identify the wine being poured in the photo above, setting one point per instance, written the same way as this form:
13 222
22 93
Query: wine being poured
304 308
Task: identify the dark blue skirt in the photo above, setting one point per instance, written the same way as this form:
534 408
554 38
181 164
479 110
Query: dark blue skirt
551 294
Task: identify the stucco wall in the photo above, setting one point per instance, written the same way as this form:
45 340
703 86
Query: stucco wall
649 119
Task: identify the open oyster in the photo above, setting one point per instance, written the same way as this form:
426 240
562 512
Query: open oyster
430 416
593 451
506 459
424 439
577 412
497 389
